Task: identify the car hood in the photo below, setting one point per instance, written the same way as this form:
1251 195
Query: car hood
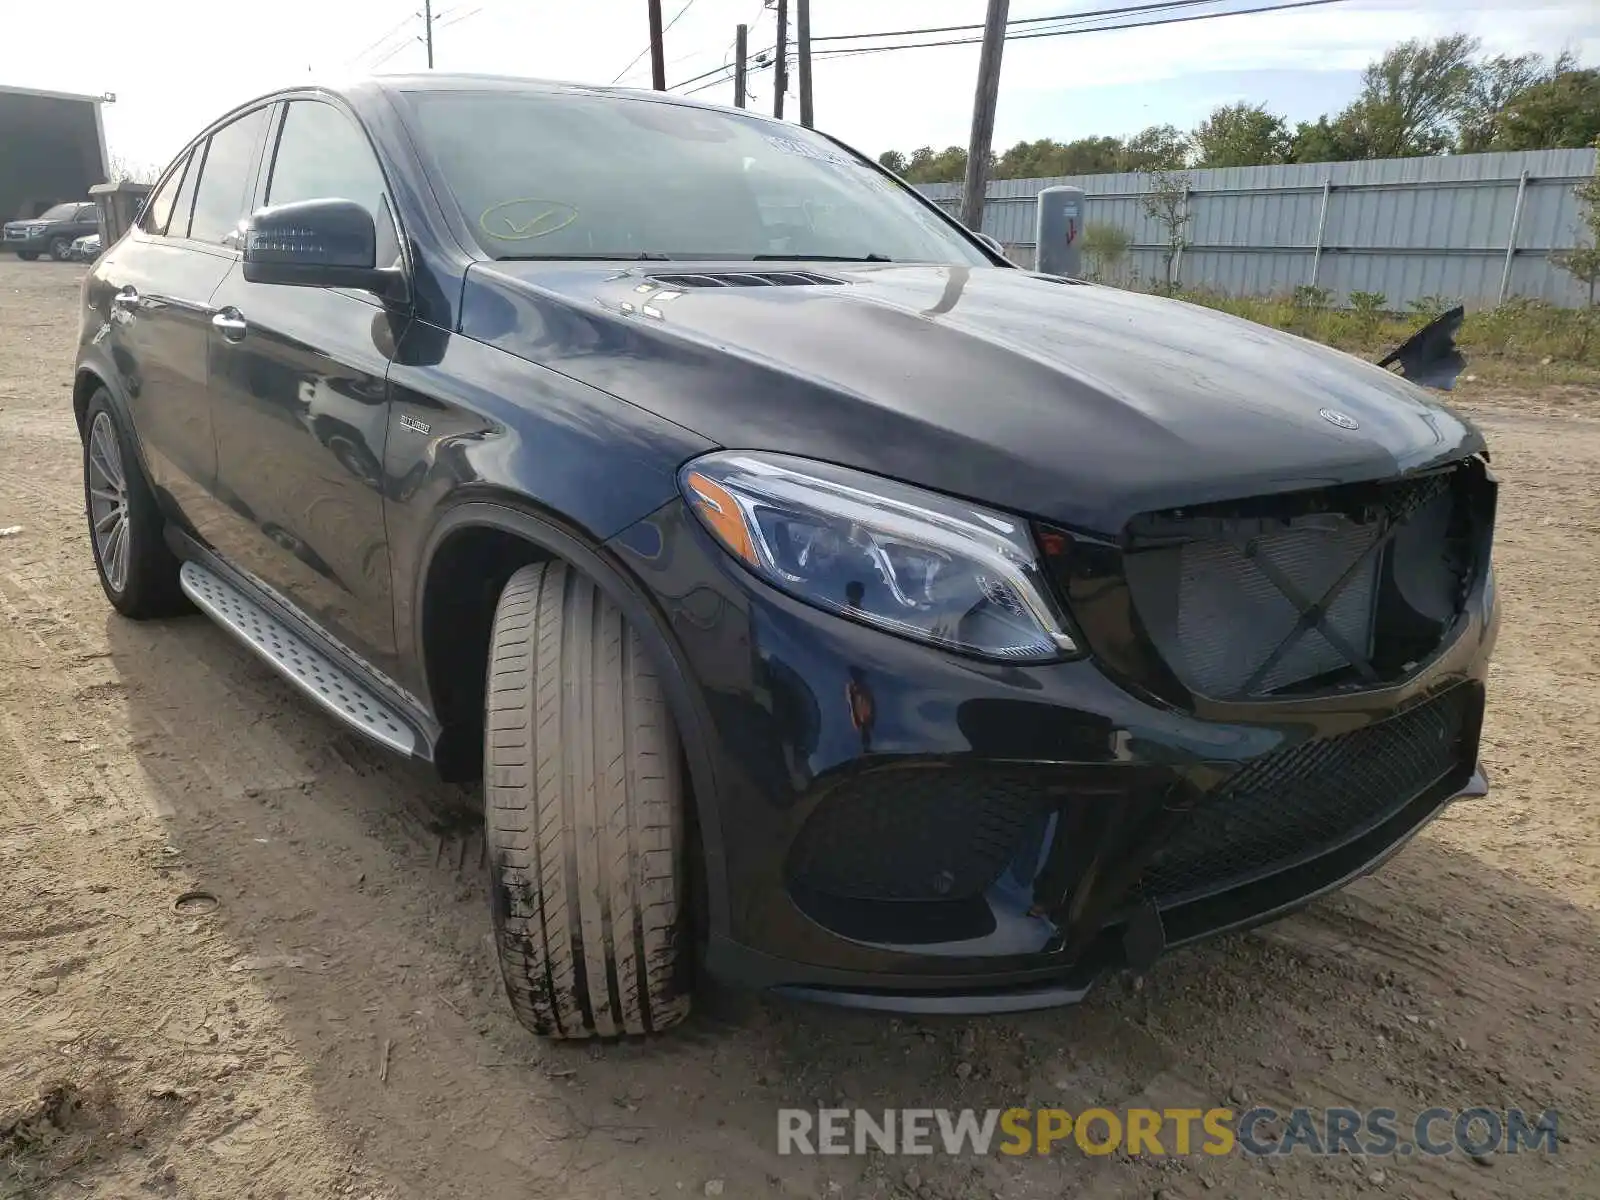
1077 403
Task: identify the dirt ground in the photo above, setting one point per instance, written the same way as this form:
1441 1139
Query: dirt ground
334 1026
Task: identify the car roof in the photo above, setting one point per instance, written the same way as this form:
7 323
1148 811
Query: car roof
463 81
468 81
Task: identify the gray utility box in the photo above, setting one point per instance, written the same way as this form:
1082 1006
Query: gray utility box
119 207
1059 235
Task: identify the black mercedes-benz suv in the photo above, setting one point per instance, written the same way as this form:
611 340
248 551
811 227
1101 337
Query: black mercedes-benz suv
825 603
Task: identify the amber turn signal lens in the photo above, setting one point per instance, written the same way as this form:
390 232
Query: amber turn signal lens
720 511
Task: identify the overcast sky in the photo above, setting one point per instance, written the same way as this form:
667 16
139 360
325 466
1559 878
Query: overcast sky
174 64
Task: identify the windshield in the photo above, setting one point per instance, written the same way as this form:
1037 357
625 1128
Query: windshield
60 212
540 175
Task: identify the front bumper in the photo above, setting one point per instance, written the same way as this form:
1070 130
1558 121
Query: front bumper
25 244
807 715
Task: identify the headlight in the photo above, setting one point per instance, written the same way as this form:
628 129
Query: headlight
883 553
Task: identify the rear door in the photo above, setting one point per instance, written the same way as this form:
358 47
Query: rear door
158 355
299 387
161 279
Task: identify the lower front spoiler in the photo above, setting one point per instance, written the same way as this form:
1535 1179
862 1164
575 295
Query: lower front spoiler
1058 984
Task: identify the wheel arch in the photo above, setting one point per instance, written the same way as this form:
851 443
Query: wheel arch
513 533
85 382
94 374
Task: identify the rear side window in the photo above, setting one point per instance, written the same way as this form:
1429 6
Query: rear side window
323 155
88 212
158 209
226 178
178 227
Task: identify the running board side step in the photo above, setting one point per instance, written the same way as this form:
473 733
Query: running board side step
297 660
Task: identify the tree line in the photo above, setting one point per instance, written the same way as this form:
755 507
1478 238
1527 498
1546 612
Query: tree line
1419 98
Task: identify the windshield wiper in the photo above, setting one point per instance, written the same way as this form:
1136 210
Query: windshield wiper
630 256
820 258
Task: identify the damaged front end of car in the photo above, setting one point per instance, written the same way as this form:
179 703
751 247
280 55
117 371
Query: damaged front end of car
1306 671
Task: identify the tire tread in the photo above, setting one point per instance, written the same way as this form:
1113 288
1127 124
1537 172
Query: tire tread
583 813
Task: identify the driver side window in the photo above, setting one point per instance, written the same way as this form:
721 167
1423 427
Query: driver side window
322 154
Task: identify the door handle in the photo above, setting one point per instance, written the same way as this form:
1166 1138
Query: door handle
232 325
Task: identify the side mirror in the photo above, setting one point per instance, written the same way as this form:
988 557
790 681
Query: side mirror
315 243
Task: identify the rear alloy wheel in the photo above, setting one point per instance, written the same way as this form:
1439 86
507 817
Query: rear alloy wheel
138 573
583 815
61 249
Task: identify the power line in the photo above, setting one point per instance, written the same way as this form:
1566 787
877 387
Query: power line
687 5
727 78
392 53
719 70
393 29
466 16
1077 16
1019 37
761 10
724 73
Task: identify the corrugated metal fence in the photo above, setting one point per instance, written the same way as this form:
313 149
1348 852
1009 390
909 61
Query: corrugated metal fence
1472 227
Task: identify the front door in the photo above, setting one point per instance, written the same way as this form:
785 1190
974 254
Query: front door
300 402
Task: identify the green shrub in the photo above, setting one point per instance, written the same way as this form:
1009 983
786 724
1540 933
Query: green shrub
1105 246
1312 298
1522 334
1367 312
1524 328
1432 306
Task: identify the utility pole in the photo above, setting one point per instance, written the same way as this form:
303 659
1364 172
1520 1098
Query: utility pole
427 29
741 53
983 106
658 57
802 37
780 68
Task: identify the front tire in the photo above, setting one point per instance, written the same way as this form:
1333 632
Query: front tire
138 573
28 255
583 815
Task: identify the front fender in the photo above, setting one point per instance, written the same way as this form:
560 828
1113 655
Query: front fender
515 516
470 422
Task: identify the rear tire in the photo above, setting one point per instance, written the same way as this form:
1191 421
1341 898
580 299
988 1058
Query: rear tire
60 249
138 572
583 815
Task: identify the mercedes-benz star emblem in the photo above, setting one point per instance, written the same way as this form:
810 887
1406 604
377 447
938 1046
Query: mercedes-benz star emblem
1334 417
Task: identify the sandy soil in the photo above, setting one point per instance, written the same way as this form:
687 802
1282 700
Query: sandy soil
334 1027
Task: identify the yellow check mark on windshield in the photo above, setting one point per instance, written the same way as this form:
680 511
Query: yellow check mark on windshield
508 222
519 230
